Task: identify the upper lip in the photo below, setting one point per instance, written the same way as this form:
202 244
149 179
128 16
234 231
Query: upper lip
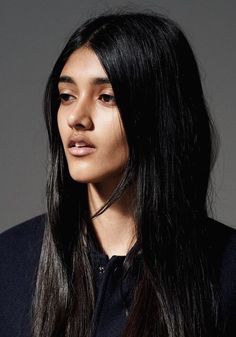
80 141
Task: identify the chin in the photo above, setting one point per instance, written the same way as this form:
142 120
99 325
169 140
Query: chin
95 177
82 173
85 177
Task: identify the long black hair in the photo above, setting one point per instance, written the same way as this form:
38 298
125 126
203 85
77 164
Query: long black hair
158 91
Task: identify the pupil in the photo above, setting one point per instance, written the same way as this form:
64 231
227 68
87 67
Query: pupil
107 98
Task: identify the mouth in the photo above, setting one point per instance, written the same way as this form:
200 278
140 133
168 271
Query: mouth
79 144
80 148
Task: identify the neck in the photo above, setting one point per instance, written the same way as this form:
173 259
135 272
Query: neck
114 228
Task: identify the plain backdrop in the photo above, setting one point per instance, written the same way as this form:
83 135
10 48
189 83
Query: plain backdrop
32 34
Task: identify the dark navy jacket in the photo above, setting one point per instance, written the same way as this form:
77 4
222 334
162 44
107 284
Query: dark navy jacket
20 248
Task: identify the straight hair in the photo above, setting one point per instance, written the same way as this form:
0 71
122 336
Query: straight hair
158 91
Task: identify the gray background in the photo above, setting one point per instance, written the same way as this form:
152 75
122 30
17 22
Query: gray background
32 34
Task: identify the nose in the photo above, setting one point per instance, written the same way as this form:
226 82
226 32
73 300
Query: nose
79 123
79 118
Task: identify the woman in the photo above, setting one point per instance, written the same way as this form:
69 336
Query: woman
126 247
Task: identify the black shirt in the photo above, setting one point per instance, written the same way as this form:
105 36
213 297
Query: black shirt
20 249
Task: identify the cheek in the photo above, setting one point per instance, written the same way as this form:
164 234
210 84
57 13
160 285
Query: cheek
124 153
61 125
119 145
113 149
120 139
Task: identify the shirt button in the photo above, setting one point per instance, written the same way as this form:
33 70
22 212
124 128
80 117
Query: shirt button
101 269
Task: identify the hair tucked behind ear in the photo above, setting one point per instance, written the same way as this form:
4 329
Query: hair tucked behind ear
158 91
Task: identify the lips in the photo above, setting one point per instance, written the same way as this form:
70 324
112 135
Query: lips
79 146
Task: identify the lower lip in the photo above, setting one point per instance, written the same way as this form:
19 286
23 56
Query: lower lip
81 151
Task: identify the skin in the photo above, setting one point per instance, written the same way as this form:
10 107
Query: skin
88 110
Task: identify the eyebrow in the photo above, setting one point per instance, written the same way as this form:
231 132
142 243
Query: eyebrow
66 79
94 81
100 80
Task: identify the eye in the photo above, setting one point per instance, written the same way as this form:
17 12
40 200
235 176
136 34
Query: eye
66 98
106 98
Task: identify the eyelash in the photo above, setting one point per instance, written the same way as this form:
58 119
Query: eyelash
105 98
64 98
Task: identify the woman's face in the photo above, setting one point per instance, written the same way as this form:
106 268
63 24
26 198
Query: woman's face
89 121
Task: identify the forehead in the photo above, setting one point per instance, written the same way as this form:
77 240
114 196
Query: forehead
83 63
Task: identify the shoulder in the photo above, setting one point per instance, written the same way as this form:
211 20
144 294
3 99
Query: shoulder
22 239
28 229
221 240
220 230
20 248
223 244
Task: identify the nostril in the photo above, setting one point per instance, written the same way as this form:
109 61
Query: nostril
79 126
79 123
